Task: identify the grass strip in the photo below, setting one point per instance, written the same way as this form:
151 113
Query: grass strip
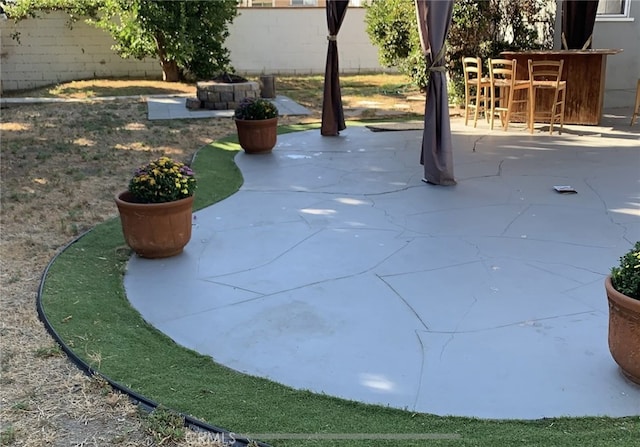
84 299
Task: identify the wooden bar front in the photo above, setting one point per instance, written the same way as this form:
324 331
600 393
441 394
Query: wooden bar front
584 71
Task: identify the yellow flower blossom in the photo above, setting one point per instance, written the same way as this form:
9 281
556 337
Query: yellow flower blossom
162 180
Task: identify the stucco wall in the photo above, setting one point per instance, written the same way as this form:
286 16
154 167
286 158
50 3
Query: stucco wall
623 69
274 41
294 40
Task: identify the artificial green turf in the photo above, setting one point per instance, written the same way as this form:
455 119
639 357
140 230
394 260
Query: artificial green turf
84 299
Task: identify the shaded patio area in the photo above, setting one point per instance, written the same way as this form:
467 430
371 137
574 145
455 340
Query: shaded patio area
335 268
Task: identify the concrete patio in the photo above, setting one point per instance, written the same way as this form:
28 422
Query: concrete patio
336 269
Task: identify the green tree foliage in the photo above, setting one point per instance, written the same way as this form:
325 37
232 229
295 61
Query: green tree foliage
391 24
22 9
479 27
187 37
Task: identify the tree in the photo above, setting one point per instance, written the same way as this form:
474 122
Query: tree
391 25
187 37
479 27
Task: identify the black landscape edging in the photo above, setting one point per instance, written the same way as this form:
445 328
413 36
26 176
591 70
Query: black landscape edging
227 438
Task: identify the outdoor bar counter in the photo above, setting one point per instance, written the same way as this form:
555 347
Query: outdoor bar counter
584 71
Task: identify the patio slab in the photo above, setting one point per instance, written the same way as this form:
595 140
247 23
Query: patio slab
174 107
336 269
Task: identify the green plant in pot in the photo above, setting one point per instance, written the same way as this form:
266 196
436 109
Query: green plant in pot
257 125
623 293
156 209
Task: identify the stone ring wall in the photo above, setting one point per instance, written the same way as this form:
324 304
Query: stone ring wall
214 95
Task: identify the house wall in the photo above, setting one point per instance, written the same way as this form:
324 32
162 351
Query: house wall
623 69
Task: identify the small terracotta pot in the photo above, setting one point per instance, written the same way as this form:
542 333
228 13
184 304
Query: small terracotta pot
155 230
257 136
624 331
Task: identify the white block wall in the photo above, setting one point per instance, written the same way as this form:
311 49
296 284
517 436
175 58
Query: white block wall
275 41
49 52
294 41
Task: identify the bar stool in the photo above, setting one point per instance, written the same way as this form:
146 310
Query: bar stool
509 105
546 75
636 107
476 89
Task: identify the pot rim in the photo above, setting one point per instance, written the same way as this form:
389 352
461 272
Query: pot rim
620 297
245 121
123 196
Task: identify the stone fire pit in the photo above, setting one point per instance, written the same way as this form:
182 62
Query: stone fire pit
222 95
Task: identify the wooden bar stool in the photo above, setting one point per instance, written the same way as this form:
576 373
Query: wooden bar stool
546 75
636 107
476 89
508 104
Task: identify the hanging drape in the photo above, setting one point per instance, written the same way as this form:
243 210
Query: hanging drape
332 113
434 19
578 19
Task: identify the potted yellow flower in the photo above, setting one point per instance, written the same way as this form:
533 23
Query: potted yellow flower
257 125
623 293
156 209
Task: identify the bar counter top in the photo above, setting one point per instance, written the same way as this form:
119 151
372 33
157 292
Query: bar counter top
562 52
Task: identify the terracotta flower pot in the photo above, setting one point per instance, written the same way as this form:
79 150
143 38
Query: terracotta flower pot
257 136
624 331
155 230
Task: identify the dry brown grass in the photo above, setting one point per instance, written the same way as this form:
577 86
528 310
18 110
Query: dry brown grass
61 166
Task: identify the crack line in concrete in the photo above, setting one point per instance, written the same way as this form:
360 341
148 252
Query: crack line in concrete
517 323
421 372
514 219
406 303
455 330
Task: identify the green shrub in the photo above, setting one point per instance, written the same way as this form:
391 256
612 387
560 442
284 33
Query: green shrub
625 277
255 109
481 28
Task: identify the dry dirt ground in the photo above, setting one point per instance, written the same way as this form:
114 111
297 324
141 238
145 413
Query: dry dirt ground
61 165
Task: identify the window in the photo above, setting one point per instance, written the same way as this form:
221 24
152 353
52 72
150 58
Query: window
255 3
613 9
304 2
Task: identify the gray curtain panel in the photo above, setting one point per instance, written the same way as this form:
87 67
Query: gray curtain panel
434 20
578 20
332 113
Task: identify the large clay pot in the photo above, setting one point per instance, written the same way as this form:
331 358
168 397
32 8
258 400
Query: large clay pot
624 331
155 230
257 136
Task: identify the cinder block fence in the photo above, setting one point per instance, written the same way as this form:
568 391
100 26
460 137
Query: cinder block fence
261 41
270 40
